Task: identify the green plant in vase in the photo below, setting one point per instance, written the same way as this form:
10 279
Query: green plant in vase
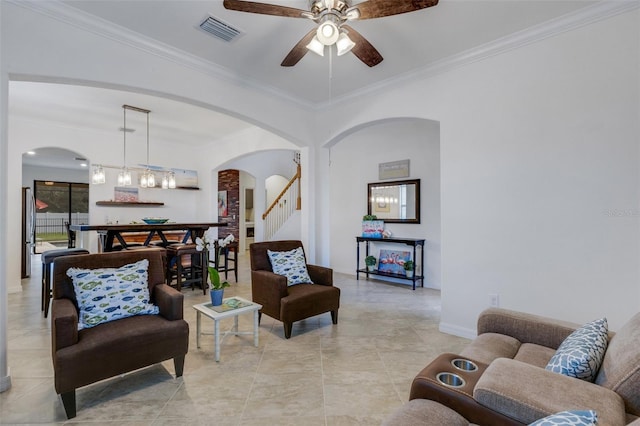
408 268
370 261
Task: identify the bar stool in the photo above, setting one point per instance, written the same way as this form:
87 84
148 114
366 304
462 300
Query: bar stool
47 272
225 252
188 265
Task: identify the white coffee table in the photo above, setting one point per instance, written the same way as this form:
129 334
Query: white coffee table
213 312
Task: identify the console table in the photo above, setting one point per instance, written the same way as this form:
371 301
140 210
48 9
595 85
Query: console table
413 242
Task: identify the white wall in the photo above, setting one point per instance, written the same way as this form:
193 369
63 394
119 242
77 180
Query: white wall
32 173
538 147
354 164
274 185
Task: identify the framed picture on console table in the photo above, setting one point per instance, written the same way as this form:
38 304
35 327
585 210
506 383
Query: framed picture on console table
393 261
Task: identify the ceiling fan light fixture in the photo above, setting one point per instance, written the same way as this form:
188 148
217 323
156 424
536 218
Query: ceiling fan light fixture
328 33
344 44
315 46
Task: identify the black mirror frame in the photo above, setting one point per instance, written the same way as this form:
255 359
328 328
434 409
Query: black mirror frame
415 182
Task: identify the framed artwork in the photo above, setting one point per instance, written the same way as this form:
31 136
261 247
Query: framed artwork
223 207
125 194
393 261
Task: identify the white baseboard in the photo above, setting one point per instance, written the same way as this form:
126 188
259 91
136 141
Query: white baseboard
456 330
5 383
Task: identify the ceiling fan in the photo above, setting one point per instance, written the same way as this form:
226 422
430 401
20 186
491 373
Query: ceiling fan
331 17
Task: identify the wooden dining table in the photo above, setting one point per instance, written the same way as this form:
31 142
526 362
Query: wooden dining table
109 233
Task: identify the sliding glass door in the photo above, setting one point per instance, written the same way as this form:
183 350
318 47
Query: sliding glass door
59 204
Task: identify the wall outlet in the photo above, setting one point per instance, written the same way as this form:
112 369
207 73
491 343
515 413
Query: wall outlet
494 300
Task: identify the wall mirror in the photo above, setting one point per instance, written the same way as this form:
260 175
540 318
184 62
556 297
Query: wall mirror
395 201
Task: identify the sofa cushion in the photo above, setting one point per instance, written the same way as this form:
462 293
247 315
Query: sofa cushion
425 412
108 294
502 388
620 370
580 355
569 418
533 354
489 346
291 264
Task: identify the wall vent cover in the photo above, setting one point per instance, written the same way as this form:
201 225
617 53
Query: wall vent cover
220 29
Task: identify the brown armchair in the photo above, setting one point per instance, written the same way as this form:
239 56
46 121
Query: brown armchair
296 302
82 357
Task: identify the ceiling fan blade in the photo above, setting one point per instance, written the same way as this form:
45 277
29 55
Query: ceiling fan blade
363 49
380 8
299 50
264 8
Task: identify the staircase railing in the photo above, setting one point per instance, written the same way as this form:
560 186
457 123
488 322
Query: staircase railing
287 202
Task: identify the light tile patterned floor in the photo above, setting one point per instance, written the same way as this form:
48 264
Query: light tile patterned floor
353 373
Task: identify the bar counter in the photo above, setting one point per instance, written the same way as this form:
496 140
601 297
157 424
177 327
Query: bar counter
109 233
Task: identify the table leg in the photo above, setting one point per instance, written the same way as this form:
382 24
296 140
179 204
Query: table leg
256 328
216 332
235 325
198 329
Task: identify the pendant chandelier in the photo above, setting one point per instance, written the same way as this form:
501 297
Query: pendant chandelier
147 177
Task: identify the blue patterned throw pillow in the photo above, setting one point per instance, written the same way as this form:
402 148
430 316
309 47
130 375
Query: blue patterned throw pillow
291 264
581 353
569 418
108 294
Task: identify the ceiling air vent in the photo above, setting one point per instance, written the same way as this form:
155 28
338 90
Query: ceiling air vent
220 29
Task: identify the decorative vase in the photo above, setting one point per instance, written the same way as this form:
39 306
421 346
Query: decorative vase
216 297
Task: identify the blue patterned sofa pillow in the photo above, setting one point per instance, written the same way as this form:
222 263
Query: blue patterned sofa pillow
569 418
108 294
291 264
581 353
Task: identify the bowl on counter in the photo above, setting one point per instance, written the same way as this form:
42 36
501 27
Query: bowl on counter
154 220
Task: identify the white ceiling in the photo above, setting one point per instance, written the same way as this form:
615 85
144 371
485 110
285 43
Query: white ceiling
410 43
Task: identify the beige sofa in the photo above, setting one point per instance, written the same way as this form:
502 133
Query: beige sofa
510 385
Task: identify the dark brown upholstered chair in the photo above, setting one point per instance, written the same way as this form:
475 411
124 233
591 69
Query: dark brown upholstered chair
294 303
106 350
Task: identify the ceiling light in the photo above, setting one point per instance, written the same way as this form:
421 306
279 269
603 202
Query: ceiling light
315 46
148 179
344 44
31 153
327 33
98 176
124 177
83 164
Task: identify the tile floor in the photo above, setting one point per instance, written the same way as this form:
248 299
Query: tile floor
353 373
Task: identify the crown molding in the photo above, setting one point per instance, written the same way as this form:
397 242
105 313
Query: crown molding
595 13
103 28
591 14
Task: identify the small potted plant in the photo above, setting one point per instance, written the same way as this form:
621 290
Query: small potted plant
216 286
370 261
408 268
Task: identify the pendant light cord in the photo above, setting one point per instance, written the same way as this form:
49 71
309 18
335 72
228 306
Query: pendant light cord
147 140
124 133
